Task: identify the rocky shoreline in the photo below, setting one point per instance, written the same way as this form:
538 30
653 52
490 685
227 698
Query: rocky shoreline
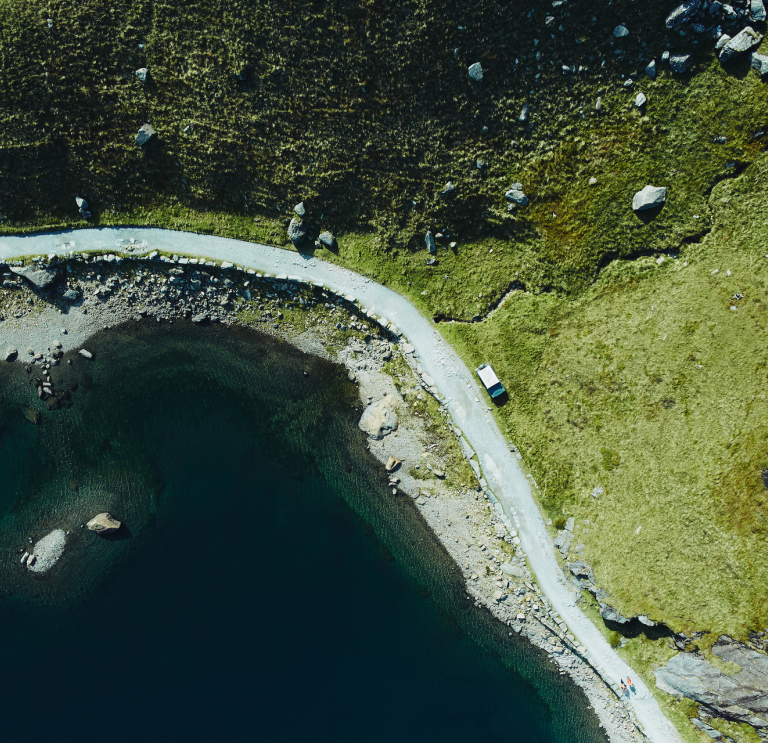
56 304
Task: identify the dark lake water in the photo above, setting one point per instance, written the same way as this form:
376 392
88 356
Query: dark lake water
267 586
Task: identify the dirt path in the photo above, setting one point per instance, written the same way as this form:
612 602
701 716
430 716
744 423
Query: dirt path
468 406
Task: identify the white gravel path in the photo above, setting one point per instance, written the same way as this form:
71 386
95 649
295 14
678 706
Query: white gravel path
468 406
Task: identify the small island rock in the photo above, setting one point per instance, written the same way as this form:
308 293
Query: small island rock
104 523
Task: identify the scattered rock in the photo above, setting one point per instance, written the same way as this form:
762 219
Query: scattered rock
200 318
722 140
722 41
649 197
82 206
85 354
47 551
327 239
620 32
71 295
524 111
103 523
392 464
679 62
11 354
757 10
476 72
142 74
611 615
760 63
683 13
297 232
650 69
145 134
742 42
299 209
514 570
429 241
449 188
640 100
517 196
380 418
40 277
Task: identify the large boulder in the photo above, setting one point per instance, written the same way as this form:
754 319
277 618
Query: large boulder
40 277
742 42
47 551
476 72
649 197
740 697
144 134
297 232
380 418
104 523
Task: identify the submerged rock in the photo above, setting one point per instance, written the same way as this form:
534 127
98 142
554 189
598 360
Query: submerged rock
47 551
103 523
380 418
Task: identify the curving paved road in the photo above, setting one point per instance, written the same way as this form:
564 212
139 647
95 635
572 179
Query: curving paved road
466 403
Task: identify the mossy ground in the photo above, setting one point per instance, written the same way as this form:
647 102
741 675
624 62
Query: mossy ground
624 373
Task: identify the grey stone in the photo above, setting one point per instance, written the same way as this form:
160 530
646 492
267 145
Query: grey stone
722 41
40 277
740 697
581 569
297 232
524 111
665 56
476 72
649 197
103 523
569 524
200 318
145 134
70 294
715 7
742 42
612 615
683 13
708 729
620 32
449 188
514 570
85 354
516 196
142 74
380 418
760 63
722 140
650 69
679 62
644 620
429 241
730 13
757 10
327 239
299 209
640 100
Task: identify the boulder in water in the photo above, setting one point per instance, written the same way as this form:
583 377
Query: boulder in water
47 551
104 523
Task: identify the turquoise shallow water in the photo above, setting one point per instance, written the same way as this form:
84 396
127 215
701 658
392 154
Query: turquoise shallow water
267 585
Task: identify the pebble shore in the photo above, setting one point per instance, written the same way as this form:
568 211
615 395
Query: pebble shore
96 292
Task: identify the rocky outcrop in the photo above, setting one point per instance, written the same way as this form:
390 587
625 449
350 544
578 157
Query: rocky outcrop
380 418
104 523
742 697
